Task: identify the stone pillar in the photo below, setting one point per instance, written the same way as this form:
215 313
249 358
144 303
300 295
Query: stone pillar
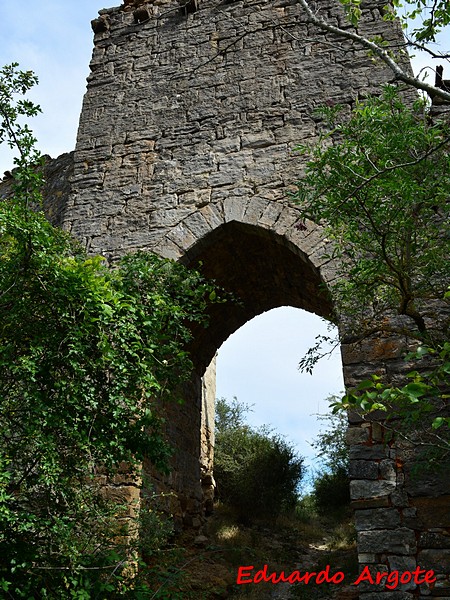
207 435
402 517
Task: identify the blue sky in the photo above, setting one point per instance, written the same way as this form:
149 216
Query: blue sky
258 364
53 38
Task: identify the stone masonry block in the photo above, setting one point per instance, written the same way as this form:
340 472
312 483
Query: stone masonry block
401 541
436 559
373 452
388 470
182 236
234 209
357 435
270 214
287 220
213 215
370 489
377 518
255 208
363 469
439 539
168 249
198 225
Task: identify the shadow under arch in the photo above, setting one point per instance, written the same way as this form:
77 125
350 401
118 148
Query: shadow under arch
262 270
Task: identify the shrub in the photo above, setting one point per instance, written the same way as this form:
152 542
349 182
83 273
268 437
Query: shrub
332 491
85 353
305 509
257 471
331 488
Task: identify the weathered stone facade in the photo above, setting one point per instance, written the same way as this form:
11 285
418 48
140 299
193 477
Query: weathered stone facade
186 148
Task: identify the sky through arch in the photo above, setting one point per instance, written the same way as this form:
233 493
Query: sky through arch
259 365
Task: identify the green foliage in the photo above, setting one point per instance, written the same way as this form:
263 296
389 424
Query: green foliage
13 108
422 403
331 444
331 487
86 355
353 10
428 21
381 191
332 491
305 509
379 183
230 415
257 472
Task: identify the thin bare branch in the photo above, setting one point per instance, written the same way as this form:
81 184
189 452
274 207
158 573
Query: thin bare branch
395 167
383 54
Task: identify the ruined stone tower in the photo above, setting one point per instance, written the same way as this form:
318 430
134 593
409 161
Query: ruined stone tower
186 148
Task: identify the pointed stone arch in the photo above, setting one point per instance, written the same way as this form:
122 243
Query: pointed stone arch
263 252
267 256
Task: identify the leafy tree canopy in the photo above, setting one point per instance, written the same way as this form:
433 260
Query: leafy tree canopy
428 21
379 184
330 444
257 471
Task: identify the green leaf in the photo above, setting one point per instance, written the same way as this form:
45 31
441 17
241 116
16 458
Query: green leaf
365 385
415 390
437 422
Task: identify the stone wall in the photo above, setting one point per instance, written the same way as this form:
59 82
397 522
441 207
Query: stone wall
207 436
402 516
183 111
57 176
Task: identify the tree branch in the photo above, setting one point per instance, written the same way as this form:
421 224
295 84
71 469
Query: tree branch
411 163
399 73
423 48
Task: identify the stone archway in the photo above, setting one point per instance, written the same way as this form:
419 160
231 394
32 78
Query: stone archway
262 252
185 148
267 256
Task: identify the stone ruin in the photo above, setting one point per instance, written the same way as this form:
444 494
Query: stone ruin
186 147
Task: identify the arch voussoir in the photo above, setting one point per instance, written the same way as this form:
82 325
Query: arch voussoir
167 249
271 214
234 208
255 210
213 215
288 218
182 236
